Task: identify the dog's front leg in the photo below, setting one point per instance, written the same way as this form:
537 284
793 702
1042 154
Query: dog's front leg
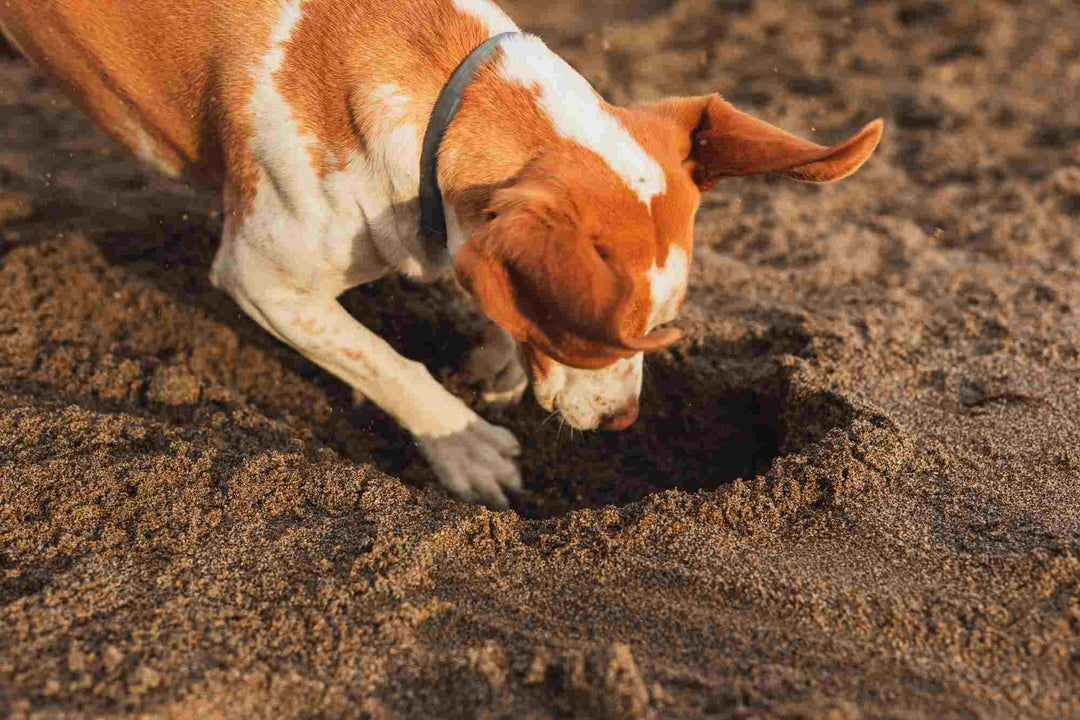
493 365
472 458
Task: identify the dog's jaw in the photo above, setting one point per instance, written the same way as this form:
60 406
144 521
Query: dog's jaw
589 399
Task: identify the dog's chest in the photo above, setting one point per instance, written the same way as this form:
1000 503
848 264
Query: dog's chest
349 199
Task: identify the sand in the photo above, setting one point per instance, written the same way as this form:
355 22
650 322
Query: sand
854 490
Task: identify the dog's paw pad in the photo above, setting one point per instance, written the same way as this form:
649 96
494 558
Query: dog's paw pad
475 464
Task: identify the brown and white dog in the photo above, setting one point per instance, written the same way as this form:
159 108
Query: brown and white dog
570 221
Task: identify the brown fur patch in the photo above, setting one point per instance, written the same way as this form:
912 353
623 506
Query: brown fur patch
178 73
340 53
562 265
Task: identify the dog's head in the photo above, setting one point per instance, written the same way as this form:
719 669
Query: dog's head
581 263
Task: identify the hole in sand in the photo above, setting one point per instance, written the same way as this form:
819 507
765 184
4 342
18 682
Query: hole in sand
704 423
709 414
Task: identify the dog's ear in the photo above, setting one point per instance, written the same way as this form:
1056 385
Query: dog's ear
544 281
725 142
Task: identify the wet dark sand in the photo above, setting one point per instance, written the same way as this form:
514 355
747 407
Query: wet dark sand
854 491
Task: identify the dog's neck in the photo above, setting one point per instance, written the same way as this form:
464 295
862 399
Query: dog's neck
524 99
432 214
496 131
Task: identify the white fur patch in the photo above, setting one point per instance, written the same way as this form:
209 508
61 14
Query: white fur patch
584 397
667 285
279 145
488 13
325 228
575 112
394 164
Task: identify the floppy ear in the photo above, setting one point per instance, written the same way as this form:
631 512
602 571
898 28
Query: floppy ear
728 143
544 281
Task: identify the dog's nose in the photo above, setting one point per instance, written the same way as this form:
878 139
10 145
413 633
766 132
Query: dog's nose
622 419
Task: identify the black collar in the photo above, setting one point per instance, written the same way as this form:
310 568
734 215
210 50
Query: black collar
432 215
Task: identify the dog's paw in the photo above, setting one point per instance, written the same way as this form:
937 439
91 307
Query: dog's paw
494 368
475 464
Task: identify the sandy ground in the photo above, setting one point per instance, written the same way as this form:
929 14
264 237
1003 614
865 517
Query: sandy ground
854 491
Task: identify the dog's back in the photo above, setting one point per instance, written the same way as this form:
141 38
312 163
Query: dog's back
138 68
145 70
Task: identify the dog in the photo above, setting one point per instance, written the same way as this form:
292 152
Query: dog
351 139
